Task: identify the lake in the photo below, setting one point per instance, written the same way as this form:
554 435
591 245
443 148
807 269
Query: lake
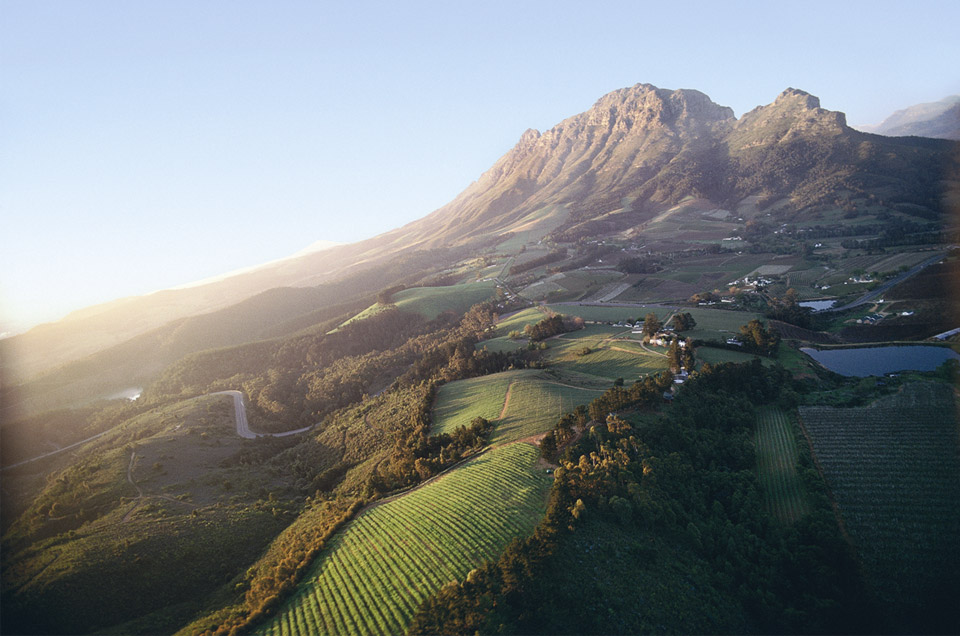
864 361
818 305
133 393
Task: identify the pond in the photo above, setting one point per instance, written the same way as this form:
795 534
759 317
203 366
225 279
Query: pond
864 361
133 393
818 305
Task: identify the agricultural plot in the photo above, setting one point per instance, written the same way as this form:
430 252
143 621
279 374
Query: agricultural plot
608 314
517 321
459 402
894 471
614 359
534 404
380 568
777 464
430 302
713 355
717 324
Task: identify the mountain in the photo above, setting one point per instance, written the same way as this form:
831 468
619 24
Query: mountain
336 442
939 119
634 153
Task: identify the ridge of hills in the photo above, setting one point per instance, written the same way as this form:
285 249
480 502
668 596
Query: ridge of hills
447 429
636 152
940 119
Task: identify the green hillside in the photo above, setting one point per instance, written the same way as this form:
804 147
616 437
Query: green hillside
385 563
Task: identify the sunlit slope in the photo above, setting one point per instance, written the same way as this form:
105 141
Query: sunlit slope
386 562
522 403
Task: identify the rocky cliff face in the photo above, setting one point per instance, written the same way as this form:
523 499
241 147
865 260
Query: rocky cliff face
652 147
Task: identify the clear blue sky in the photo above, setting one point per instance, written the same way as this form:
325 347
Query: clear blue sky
146 144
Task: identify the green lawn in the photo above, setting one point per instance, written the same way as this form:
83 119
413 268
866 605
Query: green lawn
384 564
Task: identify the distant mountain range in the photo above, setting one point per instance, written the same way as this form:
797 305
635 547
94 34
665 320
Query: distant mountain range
637 151
940 120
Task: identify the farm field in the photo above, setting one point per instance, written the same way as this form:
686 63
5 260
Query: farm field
713 355
608 314
430 302
777 464
895 474
457 403
380 568
717 324
612 359
534 405
535 402
518 320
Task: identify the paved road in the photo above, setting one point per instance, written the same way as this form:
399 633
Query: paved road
879 291
243 428
59 450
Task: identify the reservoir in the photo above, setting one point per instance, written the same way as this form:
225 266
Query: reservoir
864 361
818 305
131 394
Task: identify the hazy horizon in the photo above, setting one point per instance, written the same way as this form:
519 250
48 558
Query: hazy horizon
152 145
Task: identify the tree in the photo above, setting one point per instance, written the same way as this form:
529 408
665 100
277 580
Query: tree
651 324
683 322
673 356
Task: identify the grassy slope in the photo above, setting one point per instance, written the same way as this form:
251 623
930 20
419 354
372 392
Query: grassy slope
386 562
90 554
777 464
535 402
430 302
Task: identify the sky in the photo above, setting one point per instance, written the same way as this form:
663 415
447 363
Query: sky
148 144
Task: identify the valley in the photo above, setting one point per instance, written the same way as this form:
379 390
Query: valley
574 399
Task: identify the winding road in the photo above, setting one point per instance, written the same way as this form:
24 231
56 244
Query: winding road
243 428
879 291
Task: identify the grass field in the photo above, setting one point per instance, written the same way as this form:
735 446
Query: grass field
894 471
517 321
430 302
459 402
717 324
777 463
608 314
608 358
712 355
380 568
535 404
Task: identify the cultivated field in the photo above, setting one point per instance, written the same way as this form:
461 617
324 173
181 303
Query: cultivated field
534 404
459 402
894 471
430 302
777 463
530 402
379 569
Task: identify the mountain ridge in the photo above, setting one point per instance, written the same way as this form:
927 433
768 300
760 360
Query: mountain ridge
642 144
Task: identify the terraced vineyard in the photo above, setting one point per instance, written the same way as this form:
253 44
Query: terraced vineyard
895 474
777 462
380 568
